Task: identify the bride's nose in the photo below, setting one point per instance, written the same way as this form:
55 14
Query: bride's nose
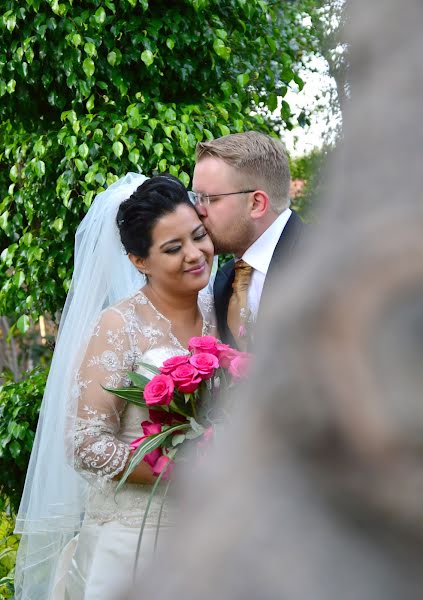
192 252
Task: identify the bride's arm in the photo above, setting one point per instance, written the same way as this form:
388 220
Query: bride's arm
97 453
141 474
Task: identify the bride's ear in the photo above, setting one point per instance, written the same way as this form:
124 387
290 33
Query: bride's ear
138 262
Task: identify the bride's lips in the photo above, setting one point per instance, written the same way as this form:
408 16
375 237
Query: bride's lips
197 270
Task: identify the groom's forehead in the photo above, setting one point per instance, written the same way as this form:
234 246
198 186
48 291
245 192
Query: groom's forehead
210 171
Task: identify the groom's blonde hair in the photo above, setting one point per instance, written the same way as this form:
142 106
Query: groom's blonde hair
261 160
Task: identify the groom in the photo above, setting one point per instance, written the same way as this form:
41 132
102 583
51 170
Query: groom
241 192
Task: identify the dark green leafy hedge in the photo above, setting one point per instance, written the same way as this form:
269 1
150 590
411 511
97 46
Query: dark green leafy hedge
19 406
311 170
8 549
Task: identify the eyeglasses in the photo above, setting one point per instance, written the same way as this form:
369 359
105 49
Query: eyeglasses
204 199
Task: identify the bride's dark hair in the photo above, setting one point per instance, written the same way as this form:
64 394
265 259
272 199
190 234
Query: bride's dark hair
137 216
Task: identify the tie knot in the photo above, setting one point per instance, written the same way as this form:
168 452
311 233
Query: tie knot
242 276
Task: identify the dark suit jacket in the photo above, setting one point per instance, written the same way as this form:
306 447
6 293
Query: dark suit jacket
291 235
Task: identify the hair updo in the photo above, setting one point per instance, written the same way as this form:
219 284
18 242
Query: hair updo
137 216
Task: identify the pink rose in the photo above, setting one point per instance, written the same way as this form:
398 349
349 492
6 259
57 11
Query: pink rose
135 443
205 343
226 354
205 363
171 363
152 457
240 365
149 429
159 390
186 378
164 464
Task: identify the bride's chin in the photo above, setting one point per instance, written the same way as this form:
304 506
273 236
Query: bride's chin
202 282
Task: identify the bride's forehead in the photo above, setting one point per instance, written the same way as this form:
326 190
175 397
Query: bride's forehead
183 220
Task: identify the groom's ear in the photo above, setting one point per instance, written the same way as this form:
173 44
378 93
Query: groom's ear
138 262
260 204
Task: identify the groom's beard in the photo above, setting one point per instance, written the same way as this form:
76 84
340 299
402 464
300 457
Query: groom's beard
233 240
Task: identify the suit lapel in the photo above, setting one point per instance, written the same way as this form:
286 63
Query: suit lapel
285 246
290 237
222 292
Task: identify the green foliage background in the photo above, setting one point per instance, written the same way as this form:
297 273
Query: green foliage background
19 406
310 169
8 548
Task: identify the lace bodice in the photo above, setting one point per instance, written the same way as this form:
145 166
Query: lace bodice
126 334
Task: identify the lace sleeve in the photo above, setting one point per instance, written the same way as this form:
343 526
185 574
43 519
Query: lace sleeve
108 358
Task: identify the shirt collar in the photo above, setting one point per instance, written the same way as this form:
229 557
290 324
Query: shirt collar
260 253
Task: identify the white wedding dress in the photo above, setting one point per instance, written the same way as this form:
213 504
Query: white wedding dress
98 562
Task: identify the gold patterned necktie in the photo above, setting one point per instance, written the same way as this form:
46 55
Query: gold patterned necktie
238 303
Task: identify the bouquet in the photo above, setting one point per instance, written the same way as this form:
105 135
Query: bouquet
182 401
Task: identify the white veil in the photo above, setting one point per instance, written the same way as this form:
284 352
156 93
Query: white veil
53 501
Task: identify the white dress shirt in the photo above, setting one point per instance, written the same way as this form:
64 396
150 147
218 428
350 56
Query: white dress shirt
259 256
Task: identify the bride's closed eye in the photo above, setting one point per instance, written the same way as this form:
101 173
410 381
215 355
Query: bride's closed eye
197 238
197 235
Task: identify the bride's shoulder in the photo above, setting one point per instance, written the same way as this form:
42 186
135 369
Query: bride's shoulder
135 299
206 303
121 311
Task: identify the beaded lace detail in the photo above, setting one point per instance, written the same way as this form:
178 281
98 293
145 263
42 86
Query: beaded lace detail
128 333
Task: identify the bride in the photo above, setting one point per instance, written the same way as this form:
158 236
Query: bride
78 539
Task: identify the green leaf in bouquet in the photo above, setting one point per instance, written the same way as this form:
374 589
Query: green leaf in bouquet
138 379
177 408
130 394
178 439
150 368
147 446
171 455
159 518
196 427
143 522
